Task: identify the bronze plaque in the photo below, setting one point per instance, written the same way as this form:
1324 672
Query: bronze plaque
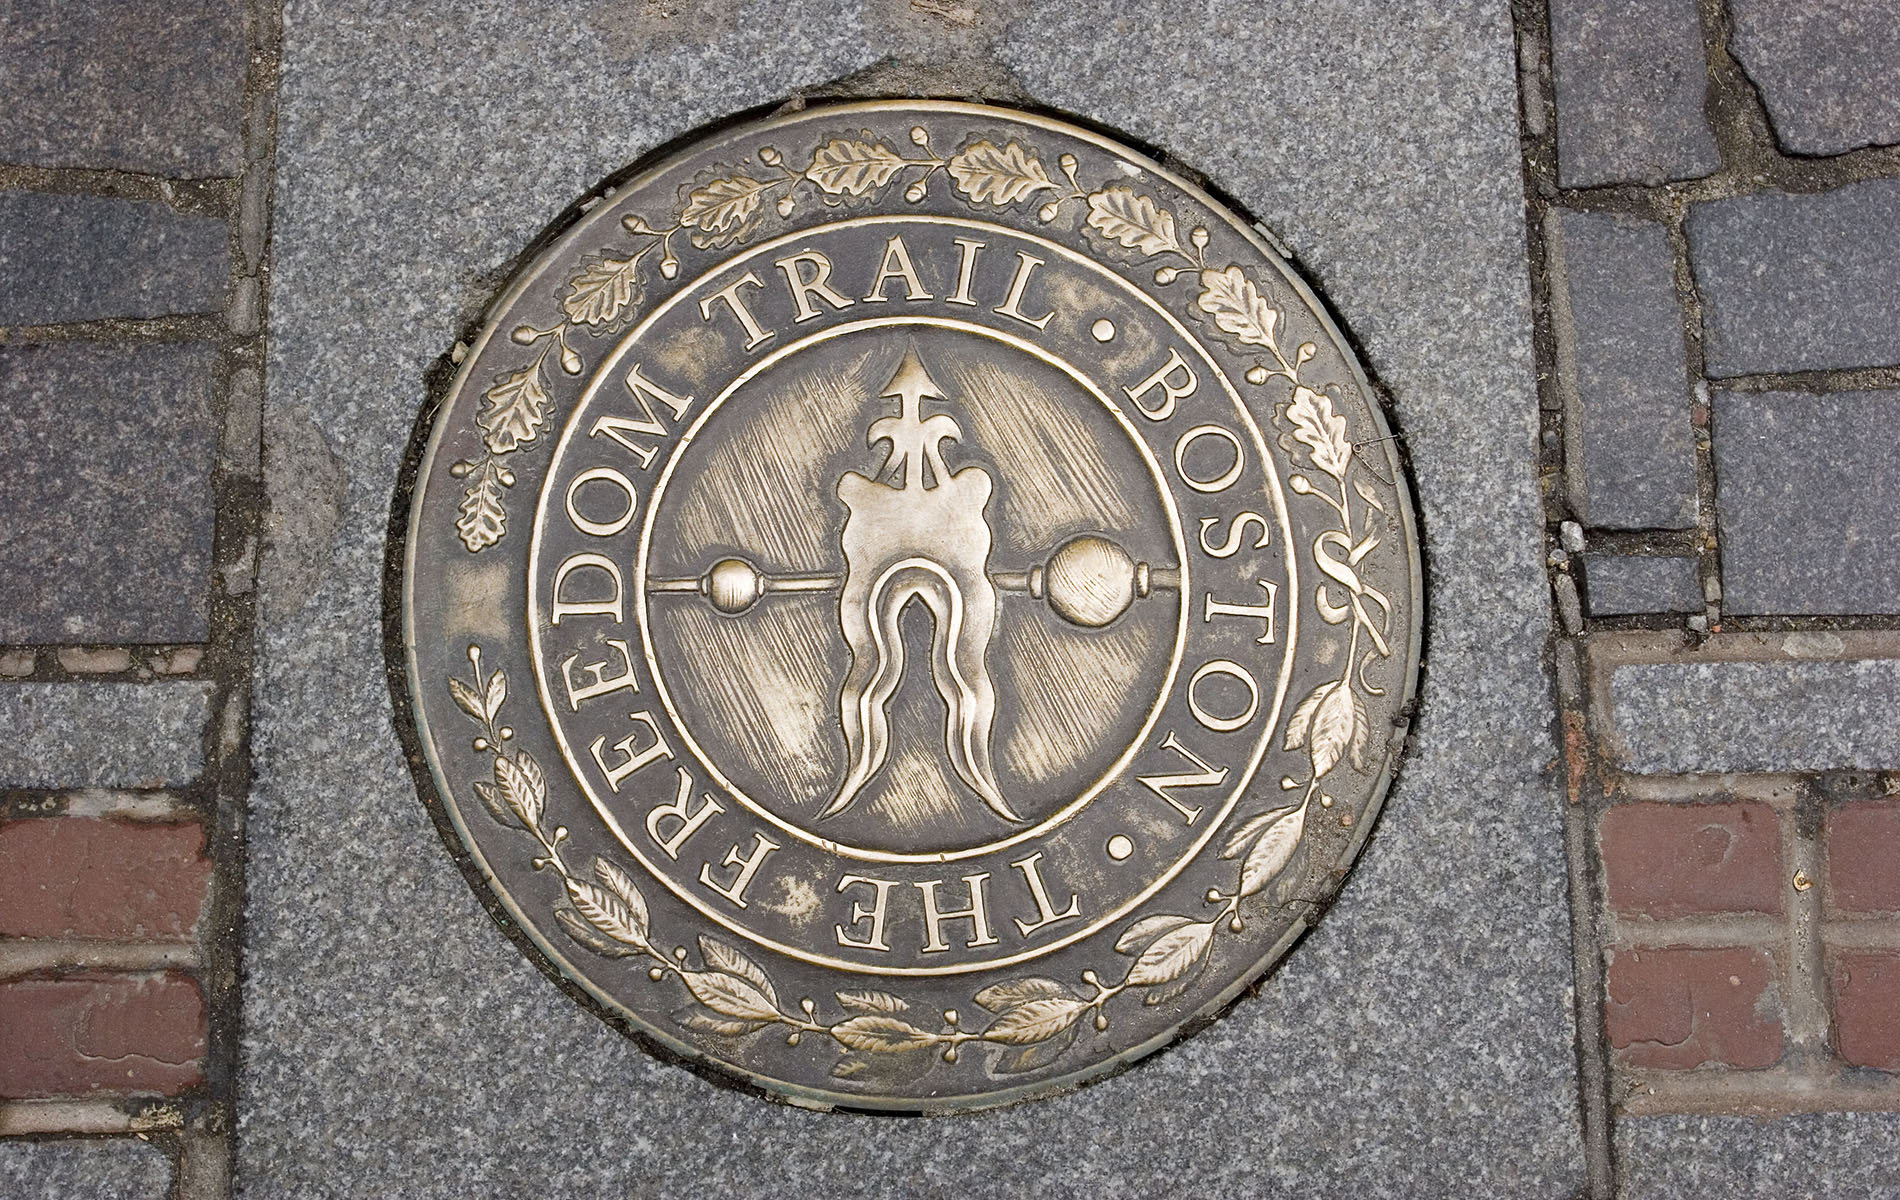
907 606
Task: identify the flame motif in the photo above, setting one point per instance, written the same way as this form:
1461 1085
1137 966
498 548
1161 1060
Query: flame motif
920 537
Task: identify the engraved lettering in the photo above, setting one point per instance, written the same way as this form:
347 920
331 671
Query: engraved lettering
1212 608
966 271
602 528
681 810
644 392
754 334
601 685
1172 391
896 265
747 864
635 759
608 606
1235 534
1221 482
803 288
1232 670
1207 775
1045 912
860 914
1025 265
977 914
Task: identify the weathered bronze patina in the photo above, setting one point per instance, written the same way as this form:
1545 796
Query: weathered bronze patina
908 605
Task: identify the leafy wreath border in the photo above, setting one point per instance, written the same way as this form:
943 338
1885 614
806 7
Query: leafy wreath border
1032 1019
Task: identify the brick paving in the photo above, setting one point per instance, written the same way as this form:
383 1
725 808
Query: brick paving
135 177
1725 680
1712 188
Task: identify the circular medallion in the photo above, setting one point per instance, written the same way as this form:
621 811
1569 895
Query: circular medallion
907 606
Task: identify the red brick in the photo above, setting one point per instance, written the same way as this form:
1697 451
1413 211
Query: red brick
81 877
1867 1009
1863 857
1678 860
98 1032
1677 1008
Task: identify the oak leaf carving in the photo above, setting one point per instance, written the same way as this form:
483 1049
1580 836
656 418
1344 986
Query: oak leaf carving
723 210
514 409
1322 431
1134 221
999 175
480 519
1237 306
851 168
597 295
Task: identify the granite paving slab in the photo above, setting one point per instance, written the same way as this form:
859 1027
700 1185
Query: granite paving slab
105 515
80 258
125 84
1798 282
1621 326
84 1169
1756 716
1619 585
395 1043
1800 1156
118 735
1825 71
1630 81
1807 494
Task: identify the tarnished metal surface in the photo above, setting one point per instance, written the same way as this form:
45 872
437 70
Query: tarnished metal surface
908 605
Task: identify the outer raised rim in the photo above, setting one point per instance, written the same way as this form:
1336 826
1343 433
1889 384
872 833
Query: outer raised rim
412 724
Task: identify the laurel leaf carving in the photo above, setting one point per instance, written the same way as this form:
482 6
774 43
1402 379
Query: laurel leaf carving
872 1002
1275 835
723 210
467 700
523 788
584 933
729 995
1172 955
999 996
494 695
606 912
1322 431
514 409
480 519
1134 221
1035 1020
843 167
886 1035
1367 494
722 957
707 1022
1146 930
1038 1054
491 800
1330 722
1237 306
597 295
989 174
620 885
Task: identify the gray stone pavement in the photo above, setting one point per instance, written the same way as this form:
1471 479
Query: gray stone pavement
1420 1043
78 1169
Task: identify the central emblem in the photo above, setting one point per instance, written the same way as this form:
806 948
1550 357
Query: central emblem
916 534
907 605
